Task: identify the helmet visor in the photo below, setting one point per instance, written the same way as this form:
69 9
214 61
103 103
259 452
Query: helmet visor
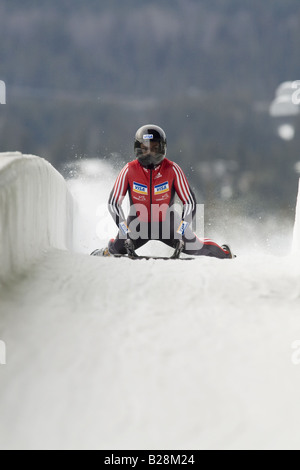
150 152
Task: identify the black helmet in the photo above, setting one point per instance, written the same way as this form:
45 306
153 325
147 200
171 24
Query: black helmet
148 154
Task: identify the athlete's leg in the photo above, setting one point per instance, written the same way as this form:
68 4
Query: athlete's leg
192 244
203 247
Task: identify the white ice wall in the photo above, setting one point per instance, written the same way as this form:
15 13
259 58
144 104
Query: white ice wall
35 211
296 236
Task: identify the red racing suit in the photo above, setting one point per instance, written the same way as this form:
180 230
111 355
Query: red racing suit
151 194
154 189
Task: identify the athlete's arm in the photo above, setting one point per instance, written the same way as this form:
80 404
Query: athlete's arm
186 195
116 198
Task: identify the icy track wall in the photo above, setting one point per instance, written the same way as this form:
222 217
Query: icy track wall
296 235
36 212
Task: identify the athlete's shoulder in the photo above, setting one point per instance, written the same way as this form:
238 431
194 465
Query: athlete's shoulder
173 165
124 169
167 163
129 167
133 165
